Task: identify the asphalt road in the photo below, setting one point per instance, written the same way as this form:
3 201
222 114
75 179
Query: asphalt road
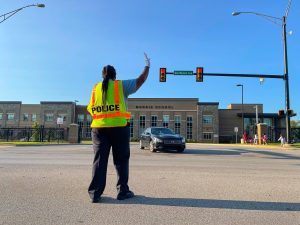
206 184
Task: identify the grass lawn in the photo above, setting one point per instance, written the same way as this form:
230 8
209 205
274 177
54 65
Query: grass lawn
296 145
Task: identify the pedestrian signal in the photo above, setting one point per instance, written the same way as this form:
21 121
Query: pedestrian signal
162 75
199 74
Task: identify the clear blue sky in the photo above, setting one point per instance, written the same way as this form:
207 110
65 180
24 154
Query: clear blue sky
57 53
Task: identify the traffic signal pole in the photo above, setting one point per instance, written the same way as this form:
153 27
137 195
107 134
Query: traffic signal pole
200 74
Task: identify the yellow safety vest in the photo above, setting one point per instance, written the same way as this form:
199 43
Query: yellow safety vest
113 113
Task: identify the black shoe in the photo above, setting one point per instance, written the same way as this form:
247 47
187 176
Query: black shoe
122 196
95 200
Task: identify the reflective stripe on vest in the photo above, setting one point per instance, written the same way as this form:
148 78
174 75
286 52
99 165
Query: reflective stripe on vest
94 95
113 113
117 99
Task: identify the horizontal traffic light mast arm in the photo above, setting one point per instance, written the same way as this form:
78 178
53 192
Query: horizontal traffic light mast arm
240 75
244 75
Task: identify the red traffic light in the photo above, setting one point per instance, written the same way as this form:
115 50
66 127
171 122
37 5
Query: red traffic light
199 74
162 75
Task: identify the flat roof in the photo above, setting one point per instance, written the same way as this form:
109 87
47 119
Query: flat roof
10 102
56 102
165 99
208 103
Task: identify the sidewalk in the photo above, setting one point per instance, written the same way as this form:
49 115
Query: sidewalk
269 146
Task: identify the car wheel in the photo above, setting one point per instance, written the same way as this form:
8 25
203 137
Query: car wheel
151 146
141 145
180 150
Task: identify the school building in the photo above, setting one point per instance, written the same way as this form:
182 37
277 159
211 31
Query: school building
195 120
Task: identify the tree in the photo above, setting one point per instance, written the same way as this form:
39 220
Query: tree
295 123
36 132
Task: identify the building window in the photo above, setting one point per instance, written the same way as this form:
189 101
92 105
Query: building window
10 116
25 117
268 121
177 120
1 116
207 136
80 118
142 123
49 117
131 126
89 118
166 119
153 121
33 117
189 127
207 120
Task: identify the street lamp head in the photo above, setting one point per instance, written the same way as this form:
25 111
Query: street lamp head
239 85
235 13
40 5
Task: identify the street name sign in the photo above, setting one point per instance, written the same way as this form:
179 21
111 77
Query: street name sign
182 72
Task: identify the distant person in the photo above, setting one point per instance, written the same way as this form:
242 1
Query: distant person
282 140
250 140
245 137
265 139
255 139
108 107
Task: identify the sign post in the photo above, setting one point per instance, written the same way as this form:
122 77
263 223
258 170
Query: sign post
236 130
59 121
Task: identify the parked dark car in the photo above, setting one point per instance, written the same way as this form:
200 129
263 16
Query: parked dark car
159 138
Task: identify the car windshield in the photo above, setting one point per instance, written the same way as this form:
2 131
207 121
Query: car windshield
159 131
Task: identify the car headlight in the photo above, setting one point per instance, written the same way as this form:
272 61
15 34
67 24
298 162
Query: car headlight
183 140
157 140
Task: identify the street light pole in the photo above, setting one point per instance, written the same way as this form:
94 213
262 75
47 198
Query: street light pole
286 73
10 14
241 85
286 79
256 114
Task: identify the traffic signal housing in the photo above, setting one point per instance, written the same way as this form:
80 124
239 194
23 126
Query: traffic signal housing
199 74
281 113
162 75
290 112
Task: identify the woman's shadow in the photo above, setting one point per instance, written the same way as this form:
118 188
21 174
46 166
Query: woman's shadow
206 203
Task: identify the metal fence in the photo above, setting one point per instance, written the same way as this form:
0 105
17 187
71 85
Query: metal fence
40 134
85 132
272 136
295 134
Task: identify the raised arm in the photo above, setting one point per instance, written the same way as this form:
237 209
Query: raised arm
142 78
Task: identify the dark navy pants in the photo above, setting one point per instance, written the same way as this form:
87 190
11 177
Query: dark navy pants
116 138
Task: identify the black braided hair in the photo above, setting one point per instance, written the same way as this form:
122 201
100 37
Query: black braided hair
108 72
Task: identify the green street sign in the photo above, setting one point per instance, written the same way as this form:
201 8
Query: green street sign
180 72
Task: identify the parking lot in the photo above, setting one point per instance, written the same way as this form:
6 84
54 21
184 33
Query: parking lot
206 184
